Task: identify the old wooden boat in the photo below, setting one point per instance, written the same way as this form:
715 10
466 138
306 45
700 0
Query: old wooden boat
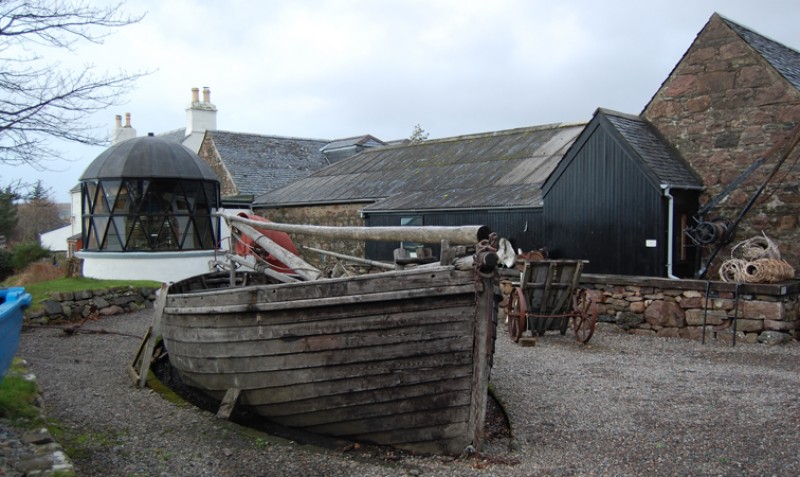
13 302
398 358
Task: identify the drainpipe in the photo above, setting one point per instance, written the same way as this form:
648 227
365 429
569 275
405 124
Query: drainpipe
670 228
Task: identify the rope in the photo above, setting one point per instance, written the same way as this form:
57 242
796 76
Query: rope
756 260
756 248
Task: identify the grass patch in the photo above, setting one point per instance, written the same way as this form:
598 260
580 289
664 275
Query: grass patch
79 445
41 291
17 398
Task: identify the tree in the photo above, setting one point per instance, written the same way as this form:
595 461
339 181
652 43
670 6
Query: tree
8 211
38 214
418 134
39 100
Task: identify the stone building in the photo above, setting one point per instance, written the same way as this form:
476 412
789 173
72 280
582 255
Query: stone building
733 98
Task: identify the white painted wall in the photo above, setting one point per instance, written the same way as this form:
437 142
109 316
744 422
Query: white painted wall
158 266
56 240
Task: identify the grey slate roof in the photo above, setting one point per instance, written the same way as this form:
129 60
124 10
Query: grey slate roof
491 170
176 135
784 59
660 158
259 163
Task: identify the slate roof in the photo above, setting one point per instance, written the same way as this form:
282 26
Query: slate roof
490 170
668 167
177 135
784 59
259 163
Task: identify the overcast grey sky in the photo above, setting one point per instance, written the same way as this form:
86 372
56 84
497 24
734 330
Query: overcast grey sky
340 68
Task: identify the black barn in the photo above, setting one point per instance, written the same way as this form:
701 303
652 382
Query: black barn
621 198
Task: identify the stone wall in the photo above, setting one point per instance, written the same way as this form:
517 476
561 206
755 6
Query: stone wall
74 306
675 308
338 215
723 107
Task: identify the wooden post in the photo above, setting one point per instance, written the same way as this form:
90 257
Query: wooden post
482 350
154 332
463 235
228 403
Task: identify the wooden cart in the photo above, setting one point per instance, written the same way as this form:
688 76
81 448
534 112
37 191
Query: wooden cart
547 297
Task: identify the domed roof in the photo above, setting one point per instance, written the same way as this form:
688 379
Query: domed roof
148 157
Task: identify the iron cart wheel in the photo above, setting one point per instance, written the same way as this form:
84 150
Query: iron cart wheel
585 319
517 314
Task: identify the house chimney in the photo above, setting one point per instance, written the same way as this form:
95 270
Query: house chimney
200 117
121 133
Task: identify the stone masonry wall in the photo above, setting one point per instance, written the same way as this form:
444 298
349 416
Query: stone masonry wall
74 306
675 308
346 215
723 107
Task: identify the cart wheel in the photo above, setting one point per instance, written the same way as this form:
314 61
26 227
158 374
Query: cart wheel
585 319
517 314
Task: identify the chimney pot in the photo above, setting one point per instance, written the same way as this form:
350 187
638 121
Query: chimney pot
195 95
127 120
206 94
118 120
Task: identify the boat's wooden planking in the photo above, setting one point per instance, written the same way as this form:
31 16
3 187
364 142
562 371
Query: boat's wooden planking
388 358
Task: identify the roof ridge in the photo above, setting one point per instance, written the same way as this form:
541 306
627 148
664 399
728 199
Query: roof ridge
501 132
273 136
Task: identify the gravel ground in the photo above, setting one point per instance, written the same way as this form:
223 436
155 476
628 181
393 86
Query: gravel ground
621 406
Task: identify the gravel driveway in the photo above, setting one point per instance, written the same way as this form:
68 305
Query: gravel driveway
621 406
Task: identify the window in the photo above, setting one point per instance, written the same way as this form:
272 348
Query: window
149 214
413 221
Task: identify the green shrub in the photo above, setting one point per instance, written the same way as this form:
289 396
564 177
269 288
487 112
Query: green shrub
6 268
26 253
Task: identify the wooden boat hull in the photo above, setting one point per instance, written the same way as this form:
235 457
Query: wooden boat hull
12 303
396 358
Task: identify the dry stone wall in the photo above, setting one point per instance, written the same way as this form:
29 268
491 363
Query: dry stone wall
73 306
677 308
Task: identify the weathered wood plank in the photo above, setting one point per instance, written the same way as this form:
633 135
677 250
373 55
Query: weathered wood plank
373 403
385 281
334 300
299 395
155 330
382 419
482 354
426 416
281 318
316 359
446 439
405 368
328 342
228 403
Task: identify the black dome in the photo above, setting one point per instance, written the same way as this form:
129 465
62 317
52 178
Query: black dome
148 157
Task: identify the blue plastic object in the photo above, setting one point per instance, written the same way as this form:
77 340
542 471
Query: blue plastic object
12 303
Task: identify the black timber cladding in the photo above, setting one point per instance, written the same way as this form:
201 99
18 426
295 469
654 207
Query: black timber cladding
605 202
